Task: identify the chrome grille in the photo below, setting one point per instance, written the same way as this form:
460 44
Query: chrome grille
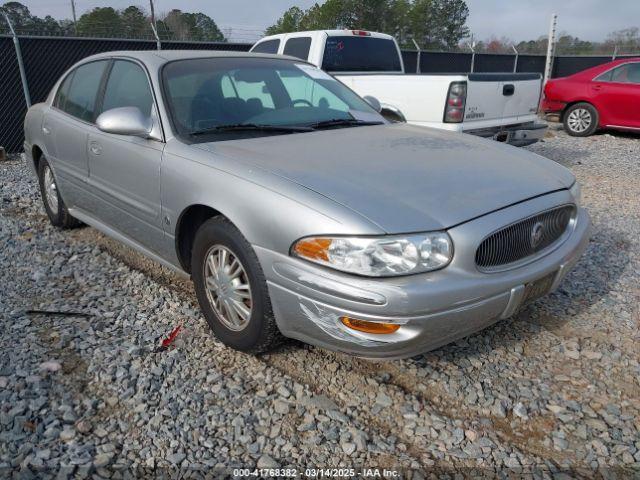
524 238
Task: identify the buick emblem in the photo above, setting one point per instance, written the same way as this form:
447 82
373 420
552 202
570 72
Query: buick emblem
537 233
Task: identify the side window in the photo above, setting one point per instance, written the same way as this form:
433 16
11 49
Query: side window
255 91
83 90
270 46
604 77
304 91
228 88
634 73
298 47
628 73
63 92
128 86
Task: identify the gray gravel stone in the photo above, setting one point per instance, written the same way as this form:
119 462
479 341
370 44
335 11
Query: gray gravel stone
560 377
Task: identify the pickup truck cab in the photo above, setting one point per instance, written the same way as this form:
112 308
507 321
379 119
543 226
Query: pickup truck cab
502 106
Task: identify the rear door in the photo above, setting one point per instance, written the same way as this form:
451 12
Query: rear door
124 170
616 94
66 127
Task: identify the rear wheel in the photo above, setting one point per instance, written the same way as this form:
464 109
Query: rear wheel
581 120
231 288
55 207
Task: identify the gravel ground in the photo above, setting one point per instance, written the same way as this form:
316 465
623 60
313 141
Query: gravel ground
554 389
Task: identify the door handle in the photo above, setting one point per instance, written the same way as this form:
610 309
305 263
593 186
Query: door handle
508 90
95 148
46 130
597 87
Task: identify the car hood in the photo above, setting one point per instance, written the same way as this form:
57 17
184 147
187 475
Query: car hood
401 177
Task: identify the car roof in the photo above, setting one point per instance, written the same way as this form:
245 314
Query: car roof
156 58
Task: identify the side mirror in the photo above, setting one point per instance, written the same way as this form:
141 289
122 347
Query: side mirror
374 102
125 121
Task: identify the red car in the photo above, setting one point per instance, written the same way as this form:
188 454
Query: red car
606 96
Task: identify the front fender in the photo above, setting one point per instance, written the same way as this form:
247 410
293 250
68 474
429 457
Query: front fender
270 211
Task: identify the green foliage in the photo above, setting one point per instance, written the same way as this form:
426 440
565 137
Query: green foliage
130 22
23 21
289 22
192 26
432 23
134 22
101 22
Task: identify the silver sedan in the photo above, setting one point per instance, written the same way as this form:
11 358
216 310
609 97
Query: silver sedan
297 210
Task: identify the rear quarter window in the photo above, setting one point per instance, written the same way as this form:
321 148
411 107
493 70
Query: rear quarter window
63 91
298 47
361 54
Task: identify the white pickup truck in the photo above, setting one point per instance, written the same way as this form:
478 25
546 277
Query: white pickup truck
502 106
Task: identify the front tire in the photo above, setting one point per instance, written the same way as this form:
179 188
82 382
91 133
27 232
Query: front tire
581 120
55 207
231 288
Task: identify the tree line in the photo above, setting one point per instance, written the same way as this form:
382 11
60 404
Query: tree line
433 24
437 25
622 41
107 22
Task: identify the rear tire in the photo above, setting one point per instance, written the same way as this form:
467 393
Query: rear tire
55 207
581 120
231 288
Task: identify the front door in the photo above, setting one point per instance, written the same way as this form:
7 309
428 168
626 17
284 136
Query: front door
124 171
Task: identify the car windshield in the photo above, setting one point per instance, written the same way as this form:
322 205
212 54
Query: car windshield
212 99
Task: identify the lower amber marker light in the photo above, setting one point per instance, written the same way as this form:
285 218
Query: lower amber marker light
369 327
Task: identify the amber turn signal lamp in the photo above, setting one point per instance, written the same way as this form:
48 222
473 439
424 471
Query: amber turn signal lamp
313 248
370 327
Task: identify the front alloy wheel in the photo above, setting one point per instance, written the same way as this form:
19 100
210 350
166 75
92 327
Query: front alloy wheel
231 288
228 288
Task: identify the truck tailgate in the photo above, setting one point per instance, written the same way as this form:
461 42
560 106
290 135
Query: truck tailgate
506 97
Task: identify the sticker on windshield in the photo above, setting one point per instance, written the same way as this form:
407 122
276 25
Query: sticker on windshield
313 72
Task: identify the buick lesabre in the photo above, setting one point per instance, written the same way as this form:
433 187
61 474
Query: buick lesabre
297 210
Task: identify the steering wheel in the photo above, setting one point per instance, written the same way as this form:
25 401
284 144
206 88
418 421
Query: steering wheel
302 100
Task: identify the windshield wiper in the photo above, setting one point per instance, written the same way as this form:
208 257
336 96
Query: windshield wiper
239 127
346 122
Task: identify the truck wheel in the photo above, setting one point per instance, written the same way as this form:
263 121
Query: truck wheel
231 288
581 120
56 210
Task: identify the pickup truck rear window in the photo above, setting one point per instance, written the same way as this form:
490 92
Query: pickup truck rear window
360 54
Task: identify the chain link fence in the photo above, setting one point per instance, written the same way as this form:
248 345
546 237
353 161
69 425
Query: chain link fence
45 59
461 62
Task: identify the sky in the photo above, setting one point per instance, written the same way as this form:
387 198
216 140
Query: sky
515 19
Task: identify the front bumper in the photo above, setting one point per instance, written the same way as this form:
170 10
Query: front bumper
517 135
433 308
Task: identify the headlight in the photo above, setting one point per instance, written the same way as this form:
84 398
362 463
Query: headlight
576 192
378 256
